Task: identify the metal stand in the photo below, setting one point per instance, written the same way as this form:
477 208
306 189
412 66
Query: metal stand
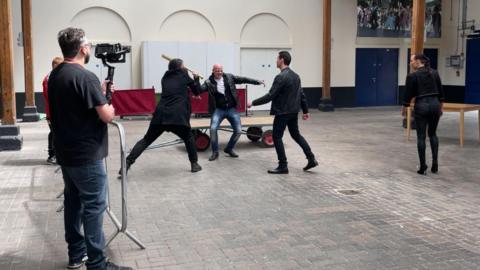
121 227
164 144
60 194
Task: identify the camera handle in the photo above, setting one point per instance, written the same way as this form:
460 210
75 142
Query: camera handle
109 79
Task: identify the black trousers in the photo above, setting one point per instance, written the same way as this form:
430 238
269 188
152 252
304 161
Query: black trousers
51 147
280 123
427 114
154 131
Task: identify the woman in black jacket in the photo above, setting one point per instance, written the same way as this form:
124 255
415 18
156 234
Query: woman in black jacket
172 113
425 86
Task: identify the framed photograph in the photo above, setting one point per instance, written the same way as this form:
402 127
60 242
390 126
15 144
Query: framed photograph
393 18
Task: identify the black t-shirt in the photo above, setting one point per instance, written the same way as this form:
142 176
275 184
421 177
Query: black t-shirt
80 136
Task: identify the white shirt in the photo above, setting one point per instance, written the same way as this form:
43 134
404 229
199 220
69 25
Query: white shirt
220 86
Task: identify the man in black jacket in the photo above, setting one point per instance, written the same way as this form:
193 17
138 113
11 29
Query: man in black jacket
172 113
222 103
287 99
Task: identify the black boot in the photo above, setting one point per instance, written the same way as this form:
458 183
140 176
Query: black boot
231 153
128 163
434 168
213 157
281 169
312 162
196 167
423 170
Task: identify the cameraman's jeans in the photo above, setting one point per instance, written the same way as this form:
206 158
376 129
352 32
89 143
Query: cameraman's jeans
85 202
427 114
234 118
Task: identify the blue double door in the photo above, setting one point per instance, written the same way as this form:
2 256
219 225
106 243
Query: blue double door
472 77
376 77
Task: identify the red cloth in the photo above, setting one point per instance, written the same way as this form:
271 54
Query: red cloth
201 106
242 100
45 95
134 101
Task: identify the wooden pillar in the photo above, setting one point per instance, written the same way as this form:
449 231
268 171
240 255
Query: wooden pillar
6 64
326 101
30 113
10 138
418 26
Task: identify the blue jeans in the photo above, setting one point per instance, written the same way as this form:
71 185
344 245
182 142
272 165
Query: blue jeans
234 118
85 202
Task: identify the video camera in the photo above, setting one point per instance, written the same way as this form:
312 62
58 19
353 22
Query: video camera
111 53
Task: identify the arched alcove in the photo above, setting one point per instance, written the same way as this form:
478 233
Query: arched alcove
265 28
186 25
102 24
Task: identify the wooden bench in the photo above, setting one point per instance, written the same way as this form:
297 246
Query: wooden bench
450 107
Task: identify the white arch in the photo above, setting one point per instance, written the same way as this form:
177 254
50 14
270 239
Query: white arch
187 25
103 24
265 28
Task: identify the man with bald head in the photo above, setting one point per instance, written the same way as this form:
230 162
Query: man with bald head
222 103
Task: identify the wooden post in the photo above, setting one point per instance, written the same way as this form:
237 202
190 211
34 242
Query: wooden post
10 138
418 26
326 101
6 64
30 113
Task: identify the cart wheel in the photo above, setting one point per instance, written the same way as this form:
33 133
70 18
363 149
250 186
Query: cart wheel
267 138
202 141
254 134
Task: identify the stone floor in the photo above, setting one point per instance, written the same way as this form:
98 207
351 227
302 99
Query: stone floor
233 215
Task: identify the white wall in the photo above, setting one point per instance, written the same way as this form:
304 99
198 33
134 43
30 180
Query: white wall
262 23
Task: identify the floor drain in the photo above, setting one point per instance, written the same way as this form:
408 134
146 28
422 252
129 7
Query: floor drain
348 191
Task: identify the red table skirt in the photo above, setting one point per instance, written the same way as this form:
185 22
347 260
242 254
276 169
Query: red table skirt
134 102
143 102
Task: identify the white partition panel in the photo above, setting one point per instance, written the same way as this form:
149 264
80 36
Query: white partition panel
198 56
153 65
222 53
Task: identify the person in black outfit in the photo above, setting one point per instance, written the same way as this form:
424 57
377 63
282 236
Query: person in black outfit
172 113
287 99
222 103
79 113
425 86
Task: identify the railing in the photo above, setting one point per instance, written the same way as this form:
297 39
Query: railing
121 227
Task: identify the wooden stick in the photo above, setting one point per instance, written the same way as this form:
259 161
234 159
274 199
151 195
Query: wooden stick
170 59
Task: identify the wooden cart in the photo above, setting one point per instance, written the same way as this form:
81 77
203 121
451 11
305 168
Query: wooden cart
255 130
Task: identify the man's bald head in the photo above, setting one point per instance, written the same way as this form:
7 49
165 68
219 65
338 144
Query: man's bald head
217 71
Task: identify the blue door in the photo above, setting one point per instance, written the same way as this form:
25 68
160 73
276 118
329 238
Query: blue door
472 76
366 77
376 77
387 77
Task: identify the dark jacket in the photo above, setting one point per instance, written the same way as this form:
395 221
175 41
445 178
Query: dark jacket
230 82
174 107
423 83
286 94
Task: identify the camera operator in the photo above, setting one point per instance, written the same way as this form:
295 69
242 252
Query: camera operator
79 115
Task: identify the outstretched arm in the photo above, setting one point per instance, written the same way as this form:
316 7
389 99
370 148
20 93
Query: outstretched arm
274 91
242 80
